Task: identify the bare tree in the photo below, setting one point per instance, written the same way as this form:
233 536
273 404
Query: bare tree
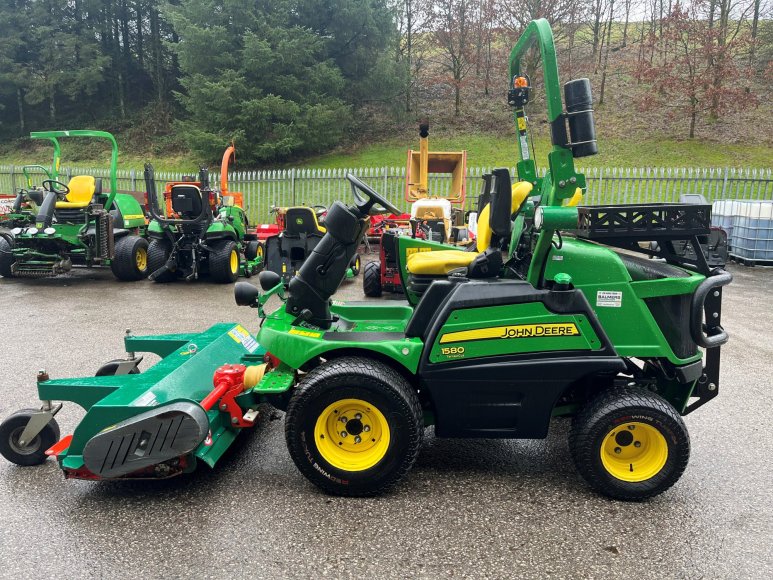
454 32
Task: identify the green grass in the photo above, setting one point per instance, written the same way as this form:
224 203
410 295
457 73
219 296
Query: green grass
481 151
502 151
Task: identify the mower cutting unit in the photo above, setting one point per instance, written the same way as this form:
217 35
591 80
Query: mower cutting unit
591 330
201 230
75 224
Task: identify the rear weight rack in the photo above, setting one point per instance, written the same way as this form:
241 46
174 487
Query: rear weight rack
624 226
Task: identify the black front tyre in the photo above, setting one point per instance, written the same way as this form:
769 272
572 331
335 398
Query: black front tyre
371 279
6 258
34 453
130 262
354 427
254 250
629 444
158 255
224 262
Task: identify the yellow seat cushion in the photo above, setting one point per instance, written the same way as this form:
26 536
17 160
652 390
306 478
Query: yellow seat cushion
82 189
439 262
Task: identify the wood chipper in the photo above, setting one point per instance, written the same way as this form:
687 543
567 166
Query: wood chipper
437 212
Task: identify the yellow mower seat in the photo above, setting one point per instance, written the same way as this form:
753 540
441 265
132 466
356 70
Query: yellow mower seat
82 188
442 262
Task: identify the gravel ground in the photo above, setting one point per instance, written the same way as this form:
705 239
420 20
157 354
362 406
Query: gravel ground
470 508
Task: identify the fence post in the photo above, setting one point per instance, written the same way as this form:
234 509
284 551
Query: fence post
133 177
13 179
724 184
292 184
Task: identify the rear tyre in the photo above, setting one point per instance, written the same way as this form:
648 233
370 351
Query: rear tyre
356 264
158 255
130 262
354 427
629 444
371 279
254 250
34 453
224 262
6 258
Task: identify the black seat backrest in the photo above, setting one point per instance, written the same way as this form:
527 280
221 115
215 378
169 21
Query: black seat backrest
485 192
501 207
97 186
301 220
186 200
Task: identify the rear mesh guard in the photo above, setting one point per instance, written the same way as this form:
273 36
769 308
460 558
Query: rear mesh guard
147 439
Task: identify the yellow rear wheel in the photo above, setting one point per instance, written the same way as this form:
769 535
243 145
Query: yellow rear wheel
634 451
629 443
352 435
141 259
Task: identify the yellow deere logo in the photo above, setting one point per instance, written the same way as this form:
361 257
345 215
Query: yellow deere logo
517 331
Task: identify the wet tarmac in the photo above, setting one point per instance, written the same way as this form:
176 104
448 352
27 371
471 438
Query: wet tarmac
469 508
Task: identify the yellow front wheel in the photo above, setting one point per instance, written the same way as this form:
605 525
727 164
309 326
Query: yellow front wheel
354 426
629 444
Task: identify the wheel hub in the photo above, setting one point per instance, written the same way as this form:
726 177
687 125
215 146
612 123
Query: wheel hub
634 451
27 449
352 435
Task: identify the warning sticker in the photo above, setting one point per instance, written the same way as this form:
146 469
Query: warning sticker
240 335
609 298
524 147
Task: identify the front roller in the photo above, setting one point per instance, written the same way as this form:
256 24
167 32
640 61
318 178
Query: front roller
354 427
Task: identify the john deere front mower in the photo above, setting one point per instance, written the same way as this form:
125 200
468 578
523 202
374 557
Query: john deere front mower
200 230
593 331
77 224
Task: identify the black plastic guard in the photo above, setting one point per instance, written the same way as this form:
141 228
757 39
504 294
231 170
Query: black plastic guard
147 439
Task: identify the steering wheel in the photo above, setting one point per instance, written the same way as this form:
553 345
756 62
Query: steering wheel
49 185
319 210
374 204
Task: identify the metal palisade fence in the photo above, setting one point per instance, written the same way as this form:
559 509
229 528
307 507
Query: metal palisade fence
284 187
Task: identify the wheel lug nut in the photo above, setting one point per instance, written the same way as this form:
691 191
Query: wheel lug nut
343 419
357 439
631 427
366 428
618 450
344 434
637 443
358 416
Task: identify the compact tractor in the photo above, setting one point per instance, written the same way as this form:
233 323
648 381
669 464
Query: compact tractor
200 230
591 329
76 224
436 216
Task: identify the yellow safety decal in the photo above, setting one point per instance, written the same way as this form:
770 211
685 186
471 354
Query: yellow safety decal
517 331
243 337
521 124
138 216
411 251
308 333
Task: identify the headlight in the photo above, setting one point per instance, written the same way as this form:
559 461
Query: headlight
49 231
16 231
32 231
538 219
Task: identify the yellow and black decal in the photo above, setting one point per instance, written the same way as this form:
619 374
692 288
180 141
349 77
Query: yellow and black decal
301 332
515 331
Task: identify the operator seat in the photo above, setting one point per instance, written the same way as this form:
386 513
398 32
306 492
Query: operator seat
494 225
82 190
302 220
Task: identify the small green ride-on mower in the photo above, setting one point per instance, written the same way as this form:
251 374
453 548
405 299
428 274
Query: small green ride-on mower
202 230
77 224
26 204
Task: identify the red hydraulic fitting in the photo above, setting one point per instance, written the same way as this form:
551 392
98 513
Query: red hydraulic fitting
226 378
